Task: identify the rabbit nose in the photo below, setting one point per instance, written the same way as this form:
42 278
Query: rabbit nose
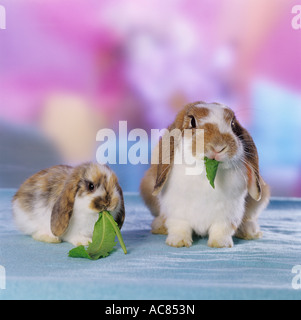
219 149
215 151
216 148
107 201
101 203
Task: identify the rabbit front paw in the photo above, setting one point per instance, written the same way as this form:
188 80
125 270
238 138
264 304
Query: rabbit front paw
220 236
226 242
179 233
179 241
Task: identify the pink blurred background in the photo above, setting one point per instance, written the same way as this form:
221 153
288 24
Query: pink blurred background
71 67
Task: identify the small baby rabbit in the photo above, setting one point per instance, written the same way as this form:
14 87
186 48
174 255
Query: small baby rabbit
183 204
63 203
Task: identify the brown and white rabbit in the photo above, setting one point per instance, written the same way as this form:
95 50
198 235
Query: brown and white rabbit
62 203
183 204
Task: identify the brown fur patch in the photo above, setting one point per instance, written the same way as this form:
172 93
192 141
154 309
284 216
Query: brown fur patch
45 185
213 137
228 115
199 112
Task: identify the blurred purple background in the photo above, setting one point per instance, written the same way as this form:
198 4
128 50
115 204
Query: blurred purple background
71 67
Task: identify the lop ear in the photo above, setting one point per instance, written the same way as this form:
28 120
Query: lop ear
163 171
252 166
251 161
63 208
121 214
165 151
254 183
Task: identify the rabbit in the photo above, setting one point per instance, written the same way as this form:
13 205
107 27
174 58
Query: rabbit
62 203
183 203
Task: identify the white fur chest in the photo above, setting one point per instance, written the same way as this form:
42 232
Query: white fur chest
191 198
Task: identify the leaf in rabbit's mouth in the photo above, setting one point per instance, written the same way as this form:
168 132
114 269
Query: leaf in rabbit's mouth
211 170
103 240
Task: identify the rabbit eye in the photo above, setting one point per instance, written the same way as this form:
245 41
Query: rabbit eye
233 124
193 122
236 128
90 186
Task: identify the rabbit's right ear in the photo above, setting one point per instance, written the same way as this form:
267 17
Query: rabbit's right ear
165 151
163 168
63 208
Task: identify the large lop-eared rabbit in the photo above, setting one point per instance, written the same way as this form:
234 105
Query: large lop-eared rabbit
185 203
63 203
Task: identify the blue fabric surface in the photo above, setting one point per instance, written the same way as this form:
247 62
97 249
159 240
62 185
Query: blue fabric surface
260 269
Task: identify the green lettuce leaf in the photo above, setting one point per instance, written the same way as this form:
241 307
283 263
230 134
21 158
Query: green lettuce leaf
211 170
79 252
103 239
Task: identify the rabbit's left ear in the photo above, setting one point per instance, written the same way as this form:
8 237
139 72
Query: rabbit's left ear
251 160
121 214
254 182
63 208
